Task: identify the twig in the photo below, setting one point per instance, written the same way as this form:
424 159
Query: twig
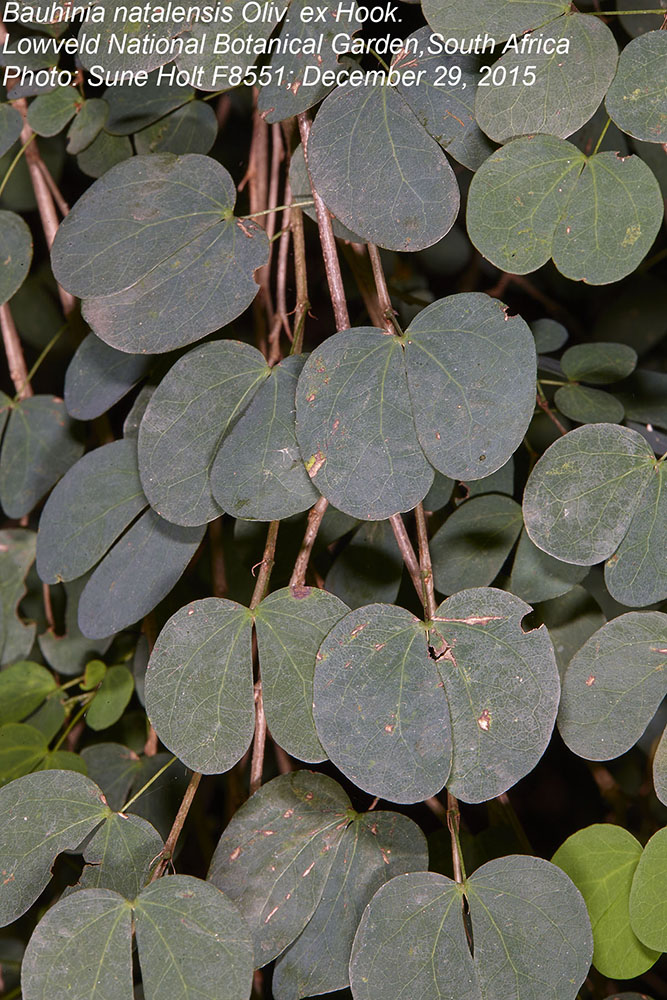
301 277
381 284
18 370
453 823
407 552
63 207
48 607
359 264
174 833
544 405
327 239
280 320
259 741
426 567
266 565
315 515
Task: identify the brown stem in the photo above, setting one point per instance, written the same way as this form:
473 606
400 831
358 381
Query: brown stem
543 405
437 808
257 178
63 207
48 607
282 759
453 824
359 264
301 277
280 320
327 239
426 567
381 284
266 565
407 552
315 515
149 628
174 833
259 741
18 370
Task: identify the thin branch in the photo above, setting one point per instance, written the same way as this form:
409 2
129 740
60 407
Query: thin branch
407 552
426 568
177 826
315 515
18 370
327 239
544 405
453 823
359 264
381 284
259 741
301 277
63 207
266 565
280 320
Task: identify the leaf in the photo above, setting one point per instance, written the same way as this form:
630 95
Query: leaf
15 253
588 406
49 113
111 698
471 373
104 152
379 171
93 674
57 961
499 18
199 686
380 709
21 750
373 849
159 803
355 427
369 569
648 896
155 251
135 575
614 685
39 446
291 624
135 106
567 82
637 97
571 620
298 818
193 407
440 493
23 688
17 553
192 128
11 124
502 686
87 125
530 930
537 576
549 335
601 861
636 575
68 653
43 814
660 769
474 542
98 376
113 767
192 942
258 472
119 855
583 492
600 363
88 510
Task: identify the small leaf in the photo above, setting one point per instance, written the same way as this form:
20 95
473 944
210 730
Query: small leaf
49 113
192 128
98 376
636 575
87 125
104 152
11 124
119 855
637 98
113 767
23 688
588 406
111 698
537 576
93 674
614 685
15 253
17 553
369 569
648 896
199 687
549 335
600 363
21 750
601 861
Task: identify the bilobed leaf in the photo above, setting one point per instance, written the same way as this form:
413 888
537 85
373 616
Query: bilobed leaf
155 250
98 376
355 426
588 406
43 814
471 372
614 685
599 363
660 769
473 543
199 687
636 575
136 574
370 567
17 553
23 688
192 942
601 861
637 98
22 747
196 403
502 686
39 446
119 855
537 576
258 472
11 124
379 171
15 253
569 82
275 855
89 508
530 932
374 848
648 896
83 944
380 709
291 624
583 492
111 698
87 125
498 18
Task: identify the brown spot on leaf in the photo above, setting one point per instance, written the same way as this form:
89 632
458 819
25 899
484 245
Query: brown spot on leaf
235 854
590 681
484 721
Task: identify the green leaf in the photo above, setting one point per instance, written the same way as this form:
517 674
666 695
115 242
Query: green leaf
601 861
155 250
379 706
530 932
537 576
43 814
135 575
571 620
614 685
554 92
192 942
636 575
474 542
498 18
637 98
93 674
373 849
62 760
49 113
15 253
582 494
291 624
471 372
111 698
196 403
549 335
113 767
258 472
135 106
39 446
83 944
120 854
11 124
648 896
369 569
21 750
600 363
199 686
502 686
87 125
588 406
104 152
355 427
98 376
660 769
88 510
299 818
192 128
23 688
17 553
379 171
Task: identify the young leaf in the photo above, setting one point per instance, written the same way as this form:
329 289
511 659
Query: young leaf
637 98
23 688
22 748
600 363
111 698
648 896
49 113
15 253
